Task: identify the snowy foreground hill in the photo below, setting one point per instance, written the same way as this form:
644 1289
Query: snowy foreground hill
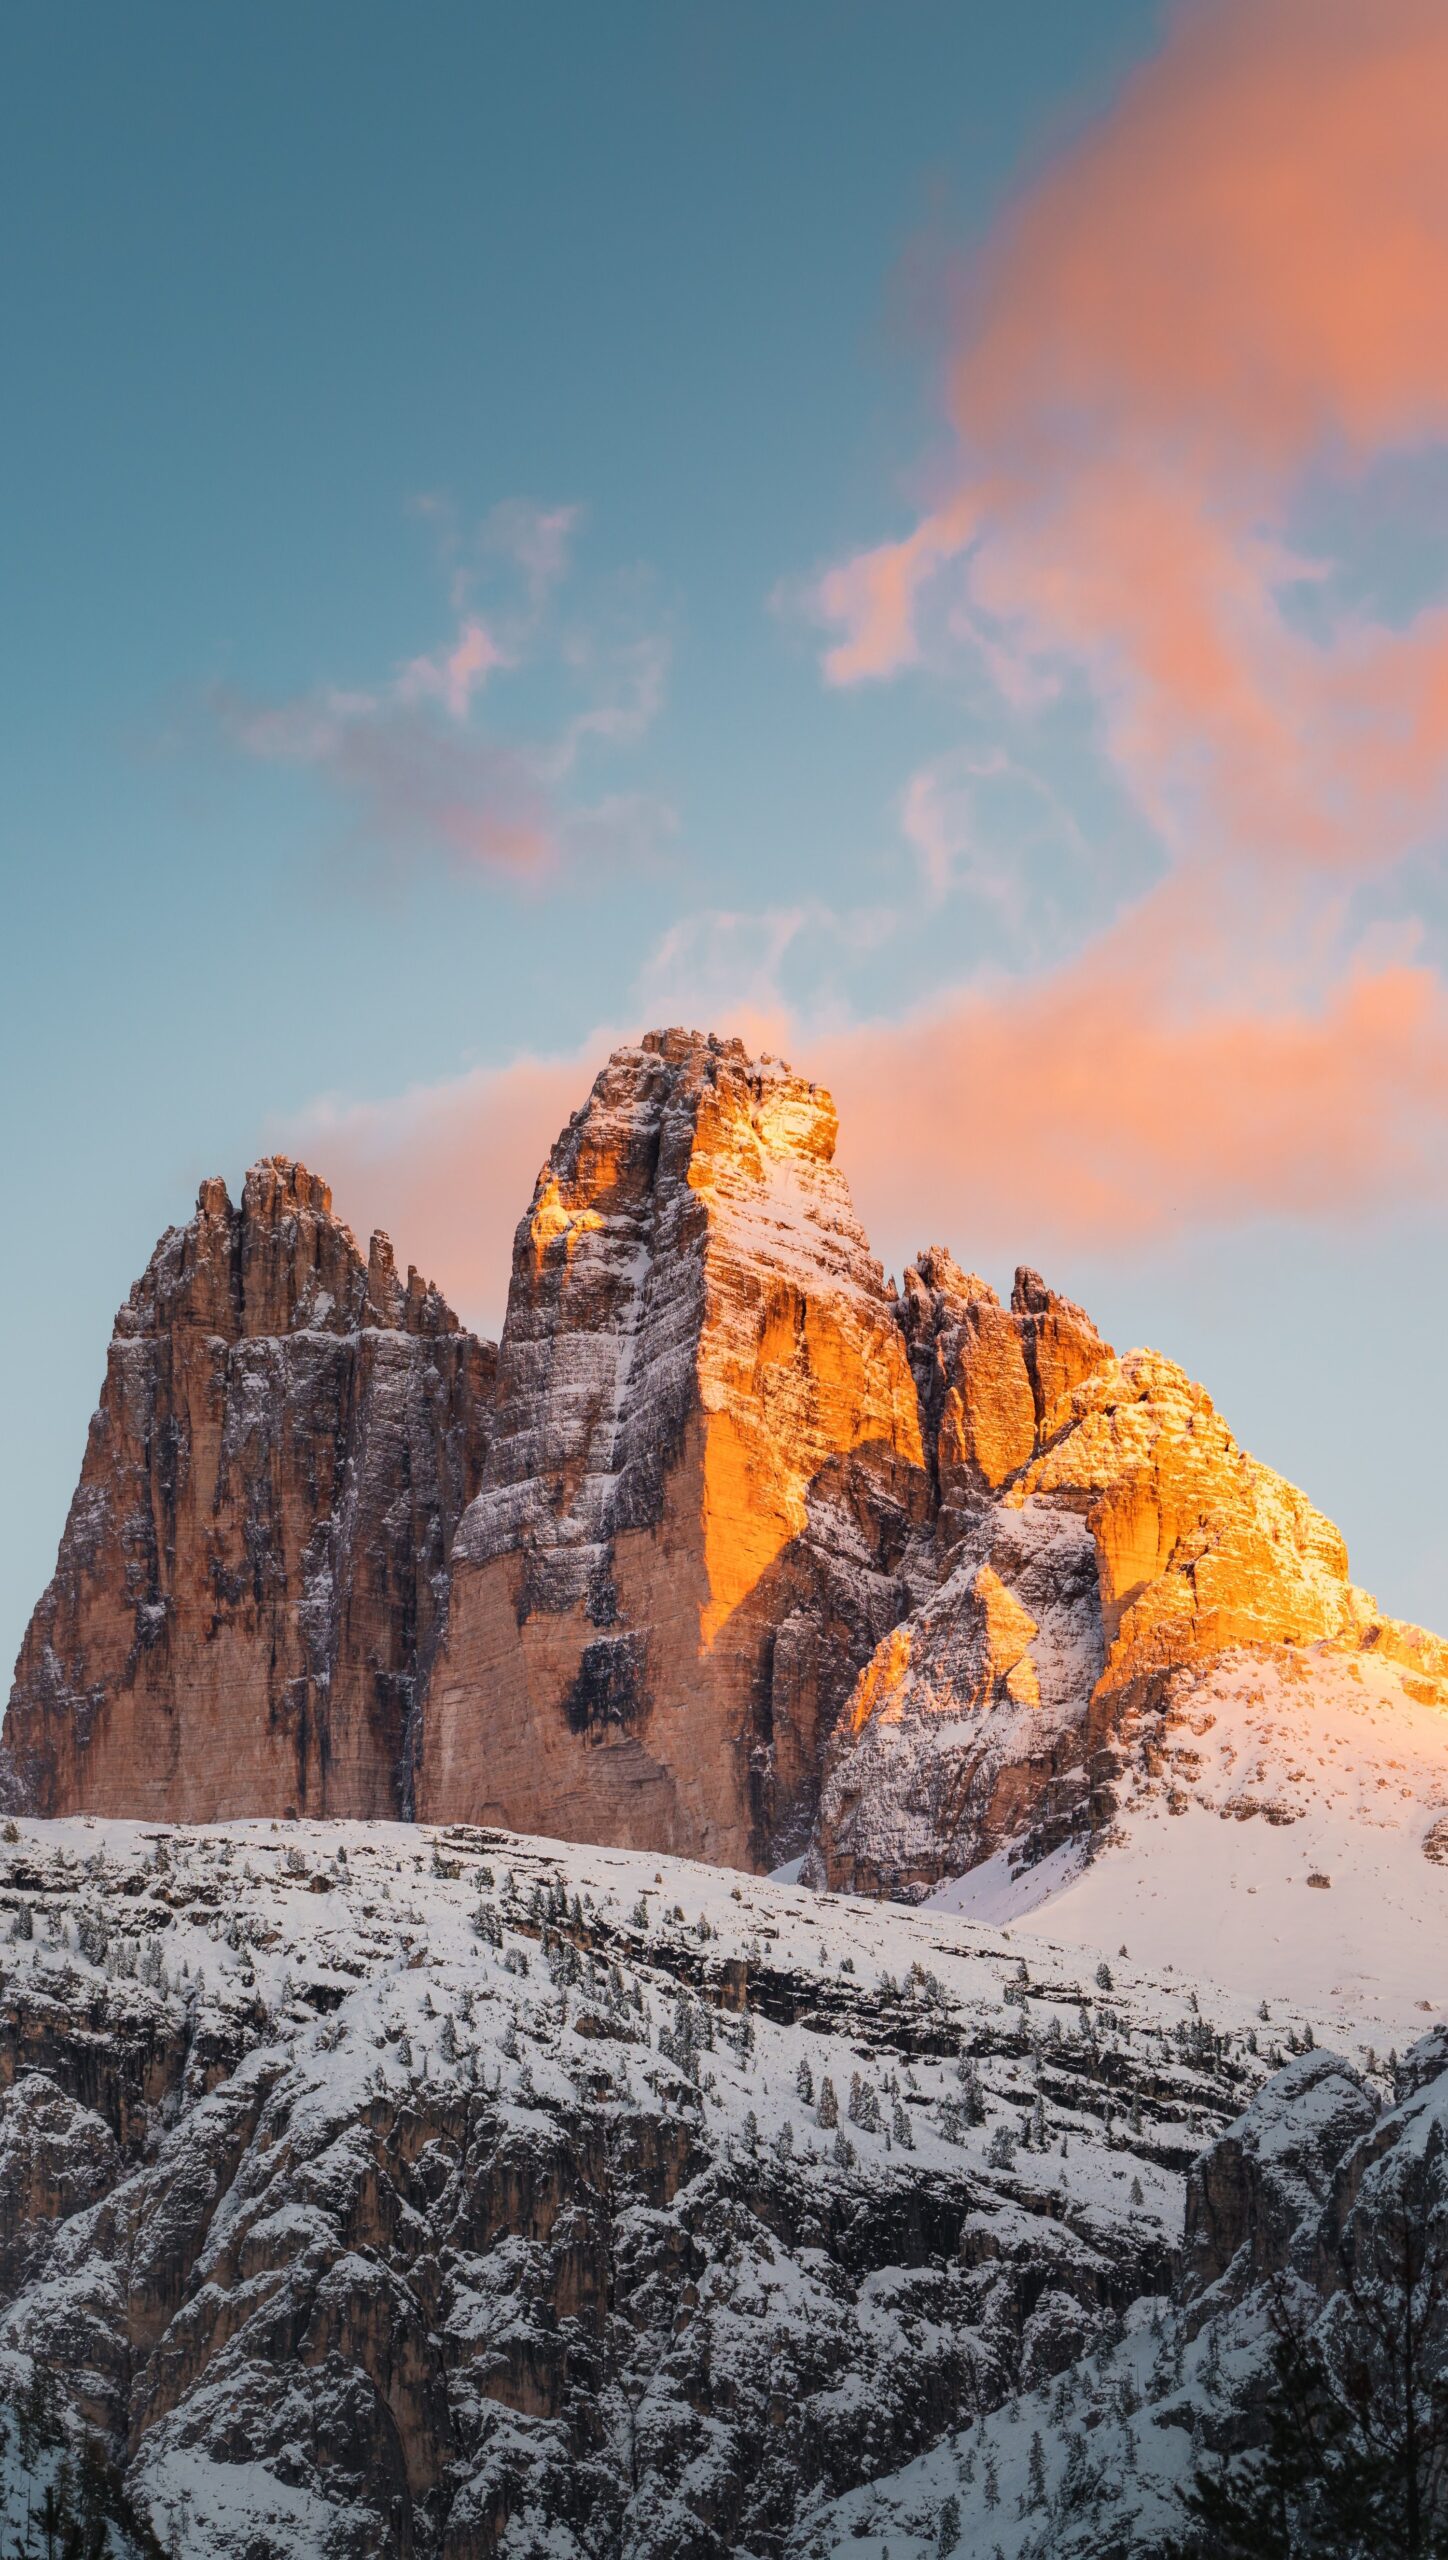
369 2189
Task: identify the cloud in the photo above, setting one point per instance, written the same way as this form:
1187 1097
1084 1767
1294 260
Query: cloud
411 762
453 679
976 818
1088 1109
411 784
1184 348
1103 1106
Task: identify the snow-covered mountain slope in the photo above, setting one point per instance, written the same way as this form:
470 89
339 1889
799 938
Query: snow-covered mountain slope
1314 2222
1280 1827
1135 1546
445 2193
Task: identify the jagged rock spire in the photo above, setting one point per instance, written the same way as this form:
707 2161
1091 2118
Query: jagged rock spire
251 1578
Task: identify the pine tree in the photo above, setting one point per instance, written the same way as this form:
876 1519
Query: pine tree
864 2106
827 2113
973 2096
1353 2428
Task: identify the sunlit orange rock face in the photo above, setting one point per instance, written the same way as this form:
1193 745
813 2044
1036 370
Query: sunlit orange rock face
251 1575
705 1478
1099 1534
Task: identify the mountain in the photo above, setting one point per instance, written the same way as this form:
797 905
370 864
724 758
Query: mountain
252 1576
732 1550
424 2185
449 2194
703 1476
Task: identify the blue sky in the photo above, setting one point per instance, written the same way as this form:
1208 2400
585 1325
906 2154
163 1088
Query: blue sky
315 317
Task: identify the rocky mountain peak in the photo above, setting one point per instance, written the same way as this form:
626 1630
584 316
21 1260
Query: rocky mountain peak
281 1263
704 1471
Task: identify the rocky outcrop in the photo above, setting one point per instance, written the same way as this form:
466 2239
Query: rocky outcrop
1106 1533
966 1732
1255 2196
989 1378
1289 2394
704 1478
252 1576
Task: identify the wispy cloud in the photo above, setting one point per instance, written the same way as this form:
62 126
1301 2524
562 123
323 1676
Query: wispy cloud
456 674
977 818
415 765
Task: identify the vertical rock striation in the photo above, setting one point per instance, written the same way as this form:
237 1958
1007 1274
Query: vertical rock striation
252 1575
703 1482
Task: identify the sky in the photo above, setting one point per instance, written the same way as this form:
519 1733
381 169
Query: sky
914 533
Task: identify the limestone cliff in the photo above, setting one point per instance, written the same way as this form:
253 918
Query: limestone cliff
253 1570
703 1482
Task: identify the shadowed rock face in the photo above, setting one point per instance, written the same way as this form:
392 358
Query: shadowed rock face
703 1481
253 1570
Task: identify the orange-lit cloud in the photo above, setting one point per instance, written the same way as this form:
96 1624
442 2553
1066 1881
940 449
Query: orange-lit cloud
1086 1109
1093 1107
1224 301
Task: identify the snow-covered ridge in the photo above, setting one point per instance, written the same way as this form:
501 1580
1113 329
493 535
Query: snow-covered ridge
373 2182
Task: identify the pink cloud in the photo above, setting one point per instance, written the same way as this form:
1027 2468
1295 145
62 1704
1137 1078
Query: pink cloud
411 784
1092 1109
453 679
1228 292
1106 1105
874 596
